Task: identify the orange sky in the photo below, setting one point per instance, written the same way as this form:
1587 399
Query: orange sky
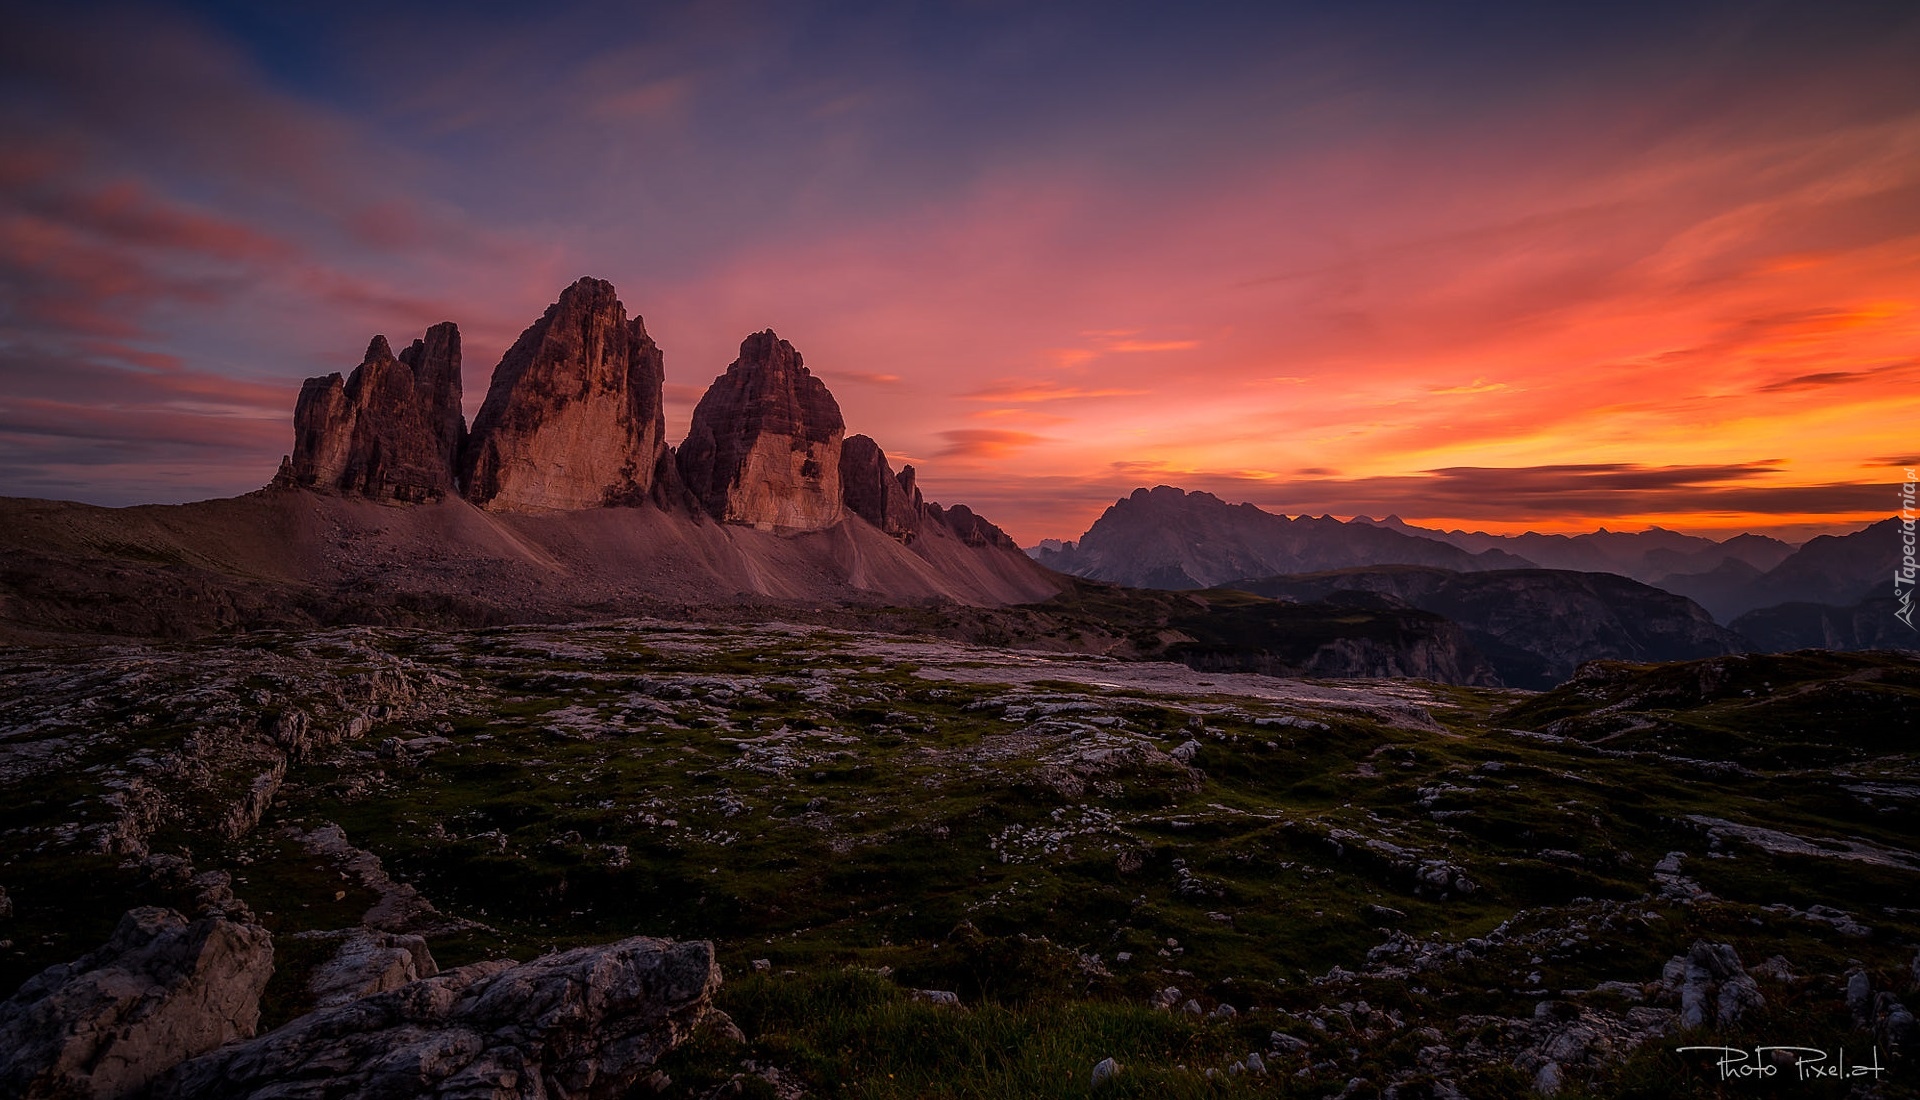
1499 270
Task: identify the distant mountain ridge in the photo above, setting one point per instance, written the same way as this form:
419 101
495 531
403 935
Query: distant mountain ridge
1645 556
1170 538
1730 578
1827 593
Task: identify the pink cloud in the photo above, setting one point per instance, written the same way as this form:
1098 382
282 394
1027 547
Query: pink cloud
986 443
1016 390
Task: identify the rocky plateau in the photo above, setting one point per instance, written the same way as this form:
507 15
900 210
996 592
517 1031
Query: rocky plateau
378 861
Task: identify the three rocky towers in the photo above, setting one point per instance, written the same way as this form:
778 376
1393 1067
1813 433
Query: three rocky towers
574 419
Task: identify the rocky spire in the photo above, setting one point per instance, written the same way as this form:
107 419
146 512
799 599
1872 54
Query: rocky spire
383 431
874 493
435 362
574 417
765 444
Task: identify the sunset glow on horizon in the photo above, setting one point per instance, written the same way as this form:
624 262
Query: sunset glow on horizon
1488 268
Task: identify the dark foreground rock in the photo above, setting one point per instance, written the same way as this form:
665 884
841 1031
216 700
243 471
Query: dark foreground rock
368 962
162 990
586 1023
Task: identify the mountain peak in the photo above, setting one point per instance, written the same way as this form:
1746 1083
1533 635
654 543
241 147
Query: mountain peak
388 431
766 349
574 416
1168 537
764 445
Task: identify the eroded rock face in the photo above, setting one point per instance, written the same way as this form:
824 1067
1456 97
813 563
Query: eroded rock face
435 362
973 528
391 430
765 444
367 962
1711 985
873 492
892 502
589 1021
573 418
162 990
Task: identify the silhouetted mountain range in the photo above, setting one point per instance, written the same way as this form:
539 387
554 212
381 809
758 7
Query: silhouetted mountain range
1536 626
1169 538
1729 578
1643 555
1545 603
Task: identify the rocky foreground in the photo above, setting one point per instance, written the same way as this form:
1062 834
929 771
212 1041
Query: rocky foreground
515 862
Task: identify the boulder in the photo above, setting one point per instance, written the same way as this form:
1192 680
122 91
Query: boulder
574 416
163 989
587 1024
764 448
368 962
1713 988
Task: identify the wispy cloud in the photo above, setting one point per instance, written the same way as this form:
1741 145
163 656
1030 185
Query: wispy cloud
650 99
1023 391
1478 385
867 378
1823 379
1696 243
986 443
1125 346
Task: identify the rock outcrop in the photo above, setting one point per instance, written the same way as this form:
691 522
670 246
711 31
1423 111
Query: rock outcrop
892 502
765 444
1712 987
391 430
585 1023
162 990
435 362
367 962
973 528
573 418
874 493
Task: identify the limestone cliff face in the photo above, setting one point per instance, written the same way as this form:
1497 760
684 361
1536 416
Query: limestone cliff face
435 362
765 445
573 418
390 431
892 502
874 493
